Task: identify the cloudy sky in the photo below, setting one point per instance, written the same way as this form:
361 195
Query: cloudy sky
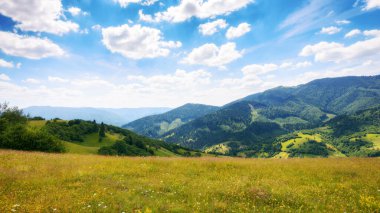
146 53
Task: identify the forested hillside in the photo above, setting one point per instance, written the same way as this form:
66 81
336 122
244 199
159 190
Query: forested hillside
254 122
157 125
20 132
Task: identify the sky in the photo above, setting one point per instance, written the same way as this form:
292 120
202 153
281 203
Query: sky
155 53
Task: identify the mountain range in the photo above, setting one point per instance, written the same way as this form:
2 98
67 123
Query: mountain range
255 123
112 116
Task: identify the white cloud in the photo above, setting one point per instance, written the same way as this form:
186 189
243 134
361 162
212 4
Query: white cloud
149 2
258 69
124 3
352 33
240 30
179 81
337 52
372 4
307 18
137 42
342 22
199 8
32 81
38 15
76 11
57 79
211 55
330 30
210 28
96 27
6 64
372 33
4 77
28 47
144 17
261 69
303 64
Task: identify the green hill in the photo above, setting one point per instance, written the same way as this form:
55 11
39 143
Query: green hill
83 137
20 132
157 125
254 123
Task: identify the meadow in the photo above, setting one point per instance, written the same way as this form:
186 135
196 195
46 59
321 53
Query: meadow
41 182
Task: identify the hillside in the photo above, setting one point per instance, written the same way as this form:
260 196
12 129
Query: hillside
255 121
83 137
157 125
111 116
20 132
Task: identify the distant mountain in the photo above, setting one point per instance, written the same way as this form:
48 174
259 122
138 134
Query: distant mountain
335 95
256 120
107 115
157 125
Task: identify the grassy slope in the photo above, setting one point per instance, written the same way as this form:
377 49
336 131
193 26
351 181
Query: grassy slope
91 143
37 182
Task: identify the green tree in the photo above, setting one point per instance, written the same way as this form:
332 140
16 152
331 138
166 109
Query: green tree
102 131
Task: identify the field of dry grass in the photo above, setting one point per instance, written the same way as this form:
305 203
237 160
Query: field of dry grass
39 182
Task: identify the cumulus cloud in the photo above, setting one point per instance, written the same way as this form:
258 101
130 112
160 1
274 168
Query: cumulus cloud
137 42
37 15
76 11
352 33
199 8
240 30
211 55
372 4
210 28
330 30
28 46
337 52
4 77
144 17
6 64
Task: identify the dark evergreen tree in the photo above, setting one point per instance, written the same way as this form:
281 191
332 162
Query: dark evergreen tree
102 131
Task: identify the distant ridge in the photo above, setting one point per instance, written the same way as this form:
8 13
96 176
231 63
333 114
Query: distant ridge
112 116
157 125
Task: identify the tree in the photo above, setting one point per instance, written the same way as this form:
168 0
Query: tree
102 131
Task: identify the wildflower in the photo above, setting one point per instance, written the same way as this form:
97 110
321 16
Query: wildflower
13 210
88 206
16 205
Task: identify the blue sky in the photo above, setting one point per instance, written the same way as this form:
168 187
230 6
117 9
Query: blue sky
147 53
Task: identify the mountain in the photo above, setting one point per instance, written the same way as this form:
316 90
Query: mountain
254 122
335 95
157 125
107 115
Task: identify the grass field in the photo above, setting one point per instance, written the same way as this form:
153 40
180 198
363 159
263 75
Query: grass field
38 182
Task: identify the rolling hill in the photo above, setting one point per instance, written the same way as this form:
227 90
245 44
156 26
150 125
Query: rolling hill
254 122
157 125
82 137
112 116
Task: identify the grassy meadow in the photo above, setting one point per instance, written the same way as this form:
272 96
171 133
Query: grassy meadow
40 182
